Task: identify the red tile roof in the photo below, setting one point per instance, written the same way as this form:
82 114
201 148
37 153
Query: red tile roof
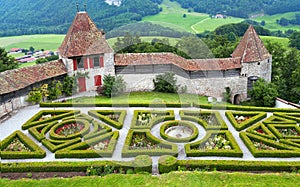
170 58
13 80
251 48
84 38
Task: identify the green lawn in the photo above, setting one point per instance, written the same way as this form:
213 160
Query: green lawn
273 26
189 179
43 41
144 97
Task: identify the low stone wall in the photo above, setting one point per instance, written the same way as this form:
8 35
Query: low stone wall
11 105
213 87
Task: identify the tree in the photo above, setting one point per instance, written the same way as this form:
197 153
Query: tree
55 90
263 23
295 40
113 85
126 41
165 83
69 85
41 61
7 62
31 49
263 93
35 96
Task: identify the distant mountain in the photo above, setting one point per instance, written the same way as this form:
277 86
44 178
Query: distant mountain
241 8
52 16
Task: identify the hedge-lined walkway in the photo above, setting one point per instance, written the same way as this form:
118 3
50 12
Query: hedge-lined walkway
15 123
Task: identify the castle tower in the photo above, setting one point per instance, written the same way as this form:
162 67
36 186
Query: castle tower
85 51
256 61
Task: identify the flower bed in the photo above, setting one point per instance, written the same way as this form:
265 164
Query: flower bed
142 142
114 118
285 131
145 119
260 129
69 129
183 124
102 145
215 143
242 120
19 146
210 120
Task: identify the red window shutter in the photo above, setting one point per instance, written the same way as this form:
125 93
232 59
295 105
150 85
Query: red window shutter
101 62
85 65
91 62
74 64
98 80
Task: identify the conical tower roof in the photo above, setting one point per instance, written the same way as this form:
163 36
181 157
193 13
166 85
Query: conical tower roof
251 48
84 38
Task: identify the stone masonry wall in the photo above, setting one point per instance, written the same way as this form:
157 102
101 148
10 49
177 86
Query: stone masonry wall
261 69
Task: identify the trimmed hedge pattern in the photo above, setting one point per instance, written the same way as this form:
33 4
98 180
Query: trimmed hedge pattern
278 120
79 150
290 116
282 150
167 164
36 151
161 117
274 128
190 115
254 118
175 123
35 120
235 150
165 147
100 114
264 129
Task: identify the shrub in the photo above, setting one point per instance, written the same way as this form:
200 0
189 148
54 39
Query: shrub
165 83
167 163
113 85
35 96
55 90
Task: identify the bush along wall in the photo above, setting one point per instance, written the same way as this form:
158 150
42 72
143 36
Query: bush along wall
141 163
215 143
242 120
114 118
168 163
210 120
46 116
19 146
146 119
263 147
142 142
101 146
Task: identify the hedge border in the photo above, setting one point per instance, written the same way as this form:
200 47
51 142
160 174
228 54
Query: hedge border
155 105
139 164
62 113
173 150
268 134
36 151
97 125
244 108
74 151
270 120
167 164
234 152
50 144
169 116
169 124
119 125
83 132
291 142
287 116
287 151
184 115
274 130
256 117
34 131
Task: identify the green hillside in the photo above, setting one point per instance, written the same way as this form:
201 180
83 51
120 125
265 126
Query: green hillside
172 16
271 21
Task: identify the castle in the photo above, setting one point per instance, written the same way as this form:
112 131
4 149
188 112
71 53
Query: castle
86 51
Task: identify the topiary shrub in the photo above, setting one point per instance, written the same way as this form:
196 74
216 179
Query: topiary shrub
167 163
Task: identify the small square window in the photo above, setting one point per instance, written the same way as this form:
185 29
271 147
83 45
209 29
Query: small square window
96 62
79 62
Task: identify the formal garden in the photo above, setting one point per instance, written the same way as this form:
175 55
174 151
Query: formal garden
139 139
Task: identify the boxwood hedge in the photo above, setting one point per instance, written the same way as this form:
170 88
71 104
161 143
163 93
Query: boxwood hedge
101 114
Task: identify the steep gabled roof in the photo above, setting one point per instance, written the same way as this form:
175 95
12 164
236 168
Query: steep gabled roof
16 79
84 38
251 48
170 58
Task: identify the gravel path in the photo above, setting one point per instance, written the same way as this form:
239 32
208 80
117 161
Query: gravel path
15 122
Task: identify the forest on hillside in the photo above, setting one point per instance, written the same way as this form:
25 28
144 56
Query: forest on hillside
41 17
241 8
